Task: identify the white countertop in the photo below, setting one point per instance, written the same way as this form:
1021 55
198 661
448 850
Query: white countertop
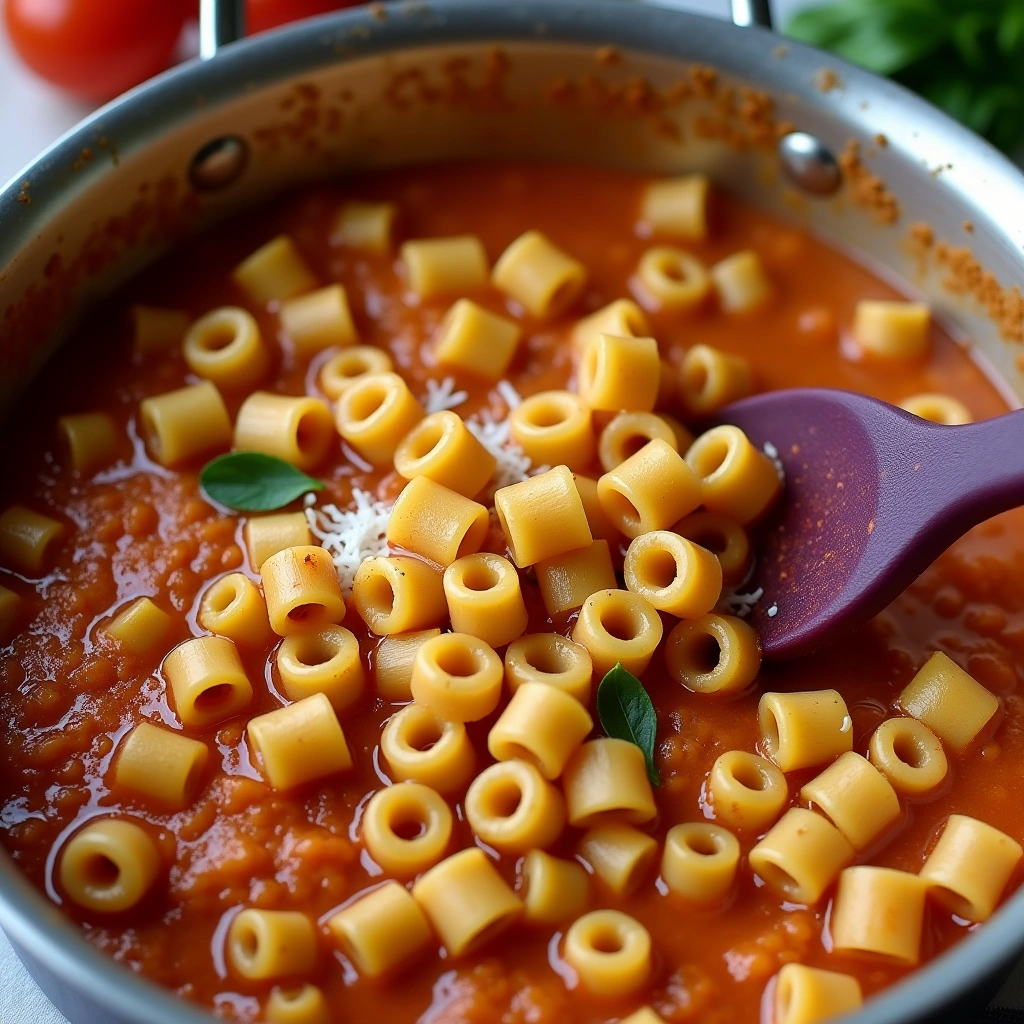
32 115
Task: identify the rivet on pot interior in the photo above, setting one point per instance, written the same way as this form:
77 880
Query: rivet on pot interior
219 163
809 163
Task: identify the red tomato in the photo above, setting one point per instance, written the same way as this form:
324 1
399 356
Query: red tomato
263 14
95 49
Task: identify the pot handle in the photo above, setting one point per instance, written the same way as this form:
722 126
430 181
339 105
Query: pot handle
751 12
220 22
223 21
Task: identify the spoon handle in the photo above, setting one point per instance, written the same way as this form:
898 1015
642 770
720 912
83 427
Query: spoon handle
986 467
944 480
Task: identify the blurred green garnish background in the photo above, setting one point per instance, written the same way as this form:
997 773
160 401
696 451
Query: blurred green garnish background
966 56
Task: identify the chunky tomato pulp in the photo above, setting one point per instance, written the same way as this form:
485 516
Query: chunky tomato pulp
69 694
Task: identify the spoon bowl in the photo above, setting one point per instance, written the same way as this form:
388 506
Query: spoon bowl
873 495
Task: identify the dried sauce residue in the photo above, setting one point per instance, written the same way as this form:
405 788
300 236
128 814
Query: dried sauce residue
83 158
827 80
922 235
308 121
742 118
964 275
460 84
161 212
867 190
608 56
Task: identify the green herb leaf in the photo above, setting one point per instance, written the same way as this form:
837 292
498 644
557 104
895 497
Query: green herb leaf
254 482
966 56
1010 36
626 713
884 37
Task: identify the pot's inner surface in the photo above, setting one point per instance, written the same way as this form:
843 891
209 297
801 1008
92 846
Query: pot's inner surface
212 763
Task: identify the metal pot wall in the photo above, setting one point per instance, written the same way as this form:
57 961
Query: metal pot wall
527 78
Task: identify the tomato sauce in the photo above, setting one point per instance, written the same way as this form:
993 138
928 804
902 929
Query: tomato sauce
68 694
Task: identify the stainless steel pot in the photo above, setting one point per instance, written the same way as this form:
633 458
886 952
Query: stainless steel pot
423 81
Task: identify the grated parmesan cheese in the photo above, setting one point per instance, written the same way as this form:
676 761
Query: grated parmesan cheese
734 603
443 396
350 535
495 435
773 453
354 534
509 395
512 462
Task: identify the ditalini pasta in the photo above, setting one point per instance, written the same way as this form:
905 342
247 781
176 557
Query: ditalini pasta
891 330
163 766
297 430
747 792
619 855
407 828
879 912
109 866
225 346
677 207
274 272
360 224
271 944
392 667
948 701
382 931
606 779
553 890
969 867
805 729
185 423
466 901
700 861
319 320
610 951
91 439
266 535
207 680
622 318
474 726
141 627
550 659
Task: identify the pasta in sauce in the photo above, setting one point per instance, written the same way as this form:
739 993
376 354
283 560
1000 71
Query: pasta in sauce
211 762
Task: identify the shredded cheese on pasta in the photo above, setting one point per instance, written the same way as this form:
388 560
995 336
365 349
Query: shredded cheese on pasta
443 396
773 453
496 437
351 535
513 465
509 395
734 603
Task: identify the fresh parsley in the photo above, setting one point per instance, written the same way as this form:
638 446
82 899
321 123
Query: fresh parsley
254 482
966 56
626 713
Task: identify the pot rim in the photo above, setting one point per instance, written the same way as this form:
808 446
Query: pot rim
982 173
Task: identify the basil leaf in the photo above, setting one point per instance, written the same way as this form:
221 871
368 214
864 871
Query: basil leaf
254 482
964 55
1010 35
626 713
883 38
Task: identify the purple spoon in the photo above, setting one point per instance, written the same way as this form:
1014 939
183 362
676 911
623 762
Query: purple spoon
873 495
